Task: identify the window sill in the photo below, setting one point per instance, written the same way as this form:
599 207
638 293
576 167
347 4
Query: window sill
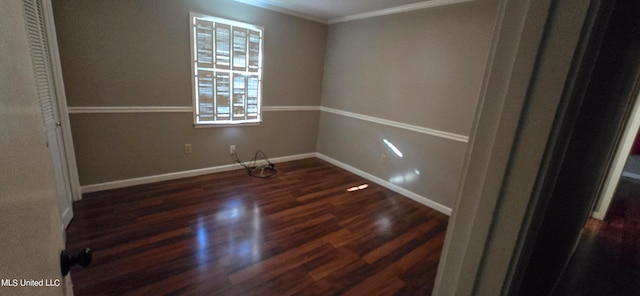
209 125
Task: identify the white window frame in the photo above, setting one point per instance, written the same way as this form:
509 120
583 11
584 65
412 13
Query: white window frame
247 106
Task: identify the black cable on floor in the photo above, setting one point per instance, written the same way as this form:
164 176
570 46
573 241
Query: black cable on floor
262 171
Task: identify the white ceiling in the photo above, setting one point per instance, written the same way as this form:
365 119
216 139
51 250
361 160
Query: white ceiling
333 11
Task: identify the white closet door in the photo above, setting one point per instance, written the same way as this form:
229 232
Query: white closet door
45 87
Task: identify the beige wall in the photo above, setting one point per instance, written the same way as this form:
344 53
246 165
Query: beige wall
423 68
429 167
29 219
125 146
137 53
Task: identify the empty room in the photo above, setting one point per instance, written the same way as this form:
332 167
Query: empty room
238 147
338 93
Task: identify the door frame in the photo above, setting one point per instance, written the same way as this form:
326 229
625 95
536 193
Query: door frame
619 160
534 44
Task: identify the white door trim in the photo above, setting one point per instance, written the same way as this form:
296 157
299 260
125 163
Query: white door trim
619 160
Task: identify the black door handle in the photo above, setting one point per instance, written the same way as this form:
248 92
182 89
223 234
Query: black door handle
83 258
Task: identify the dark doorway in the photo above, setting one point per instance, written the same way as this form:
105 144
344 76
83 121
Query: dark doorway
606 80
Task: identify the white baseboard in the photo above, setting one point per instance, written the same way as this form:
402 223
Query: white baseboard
414 196
66 217
180 175
223 168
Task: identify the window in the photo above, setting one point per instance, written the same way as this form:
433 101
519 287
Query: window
227 71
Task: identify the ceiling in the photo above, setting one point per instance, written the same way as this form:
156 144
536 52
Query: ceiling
333 11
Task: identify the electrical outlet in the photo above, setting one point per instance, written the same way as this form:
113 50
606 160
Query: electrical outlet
383 158
187 148
232 149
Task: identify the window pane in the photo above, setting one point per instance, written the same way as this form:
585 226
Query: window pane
252 96
223 45
254 51
204 43
239 93
223 89
239 49
205 91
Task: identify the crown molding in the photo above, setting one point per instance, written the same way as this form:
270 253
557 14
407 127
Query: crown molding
397 9
278 8
393 10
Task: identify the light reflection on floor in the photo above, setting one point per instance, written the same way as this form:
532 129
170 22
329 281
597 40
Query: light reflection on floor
247 246
383 224
232 211
202 237
244 239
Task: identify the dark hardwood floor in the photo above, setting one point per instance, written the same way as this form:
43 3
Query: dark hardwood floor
299 232
607 259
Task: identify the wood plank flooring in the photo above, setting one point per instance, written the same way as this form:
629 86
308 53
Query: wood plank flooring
299 232
607 258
